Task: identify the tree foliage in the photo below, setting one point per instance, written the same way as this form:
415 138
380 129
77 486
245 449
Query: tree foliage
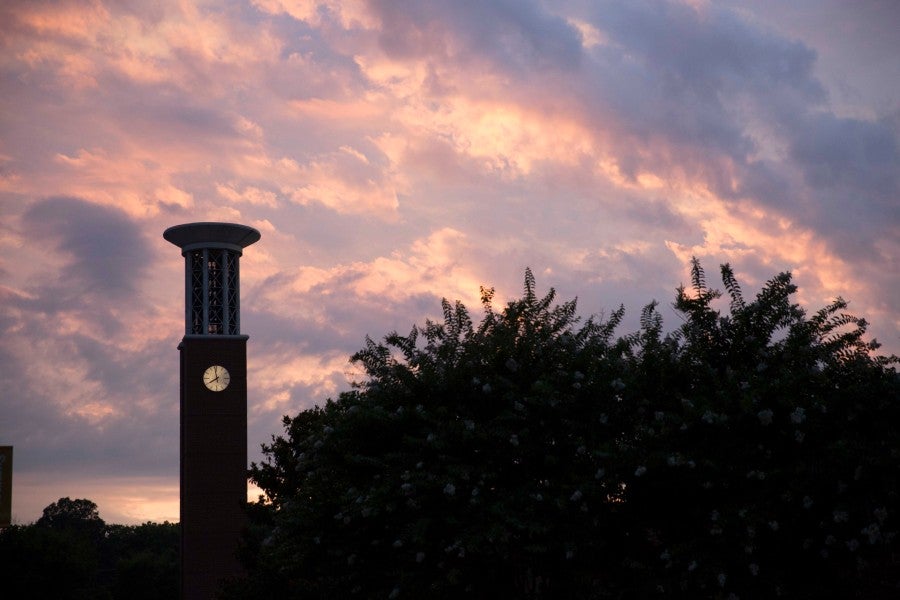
71 553
66 514
751 451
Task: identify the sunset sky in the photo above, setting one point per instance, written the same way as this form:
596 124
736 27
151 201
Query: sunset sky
393 153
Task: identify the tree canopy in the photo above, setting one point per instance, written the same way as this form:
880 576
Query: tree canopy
67 514
750 452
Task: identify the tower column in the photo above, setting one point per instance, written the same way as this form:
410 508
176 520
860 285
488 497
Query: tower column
213 390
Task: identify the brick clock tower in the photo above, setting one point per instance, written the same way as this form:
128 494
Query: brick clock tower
213 404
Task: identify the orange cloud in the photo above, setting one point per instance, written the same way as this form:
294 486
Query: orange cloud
277 371
344 180
351 14
431 266
69 20
250 195
357 112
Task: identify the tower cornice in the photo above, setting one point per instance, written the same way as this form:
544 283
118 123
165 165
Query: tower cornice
230 236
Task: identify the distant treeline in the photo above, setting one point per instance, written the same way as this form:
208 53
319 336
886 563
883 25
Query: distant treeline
71 553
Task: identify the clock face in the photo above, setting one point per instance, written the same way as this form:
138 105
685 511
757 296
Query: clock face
216 378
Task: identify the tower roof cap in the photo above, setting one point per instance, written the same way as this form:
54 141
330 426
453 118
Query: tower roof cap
191 236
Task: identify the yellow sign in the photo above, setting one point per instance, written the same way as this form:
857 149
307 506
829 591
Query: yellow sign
5 485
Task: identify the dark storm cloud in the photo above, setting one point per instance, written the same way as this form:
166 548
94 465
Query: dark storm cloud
847 153
106 253
62 359
708 50
714 85
852 168
670 71
516 35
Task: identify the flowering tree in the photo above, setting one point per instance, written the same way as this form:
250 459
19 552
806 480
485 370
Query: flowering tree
533 455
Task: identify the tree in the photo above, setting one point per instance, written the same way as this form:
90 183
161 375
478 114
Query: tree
58 557
748 453
73 515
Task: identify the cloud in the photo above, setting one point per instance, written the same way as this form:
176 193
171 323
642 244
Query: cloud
515 36
849 156
104 252
80 352
435 266
395 153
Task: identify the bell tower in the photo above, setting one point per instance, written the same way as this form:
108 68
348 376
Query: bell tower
213 404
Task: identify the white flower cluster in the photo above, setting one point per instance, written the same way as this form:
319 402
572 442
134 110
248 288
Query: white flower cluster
457 547
873 532
677 460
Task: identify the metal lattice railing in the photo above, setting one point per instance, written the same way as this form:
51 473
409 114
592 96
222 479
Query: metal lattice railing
232 293
214 295
196 317
215 291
